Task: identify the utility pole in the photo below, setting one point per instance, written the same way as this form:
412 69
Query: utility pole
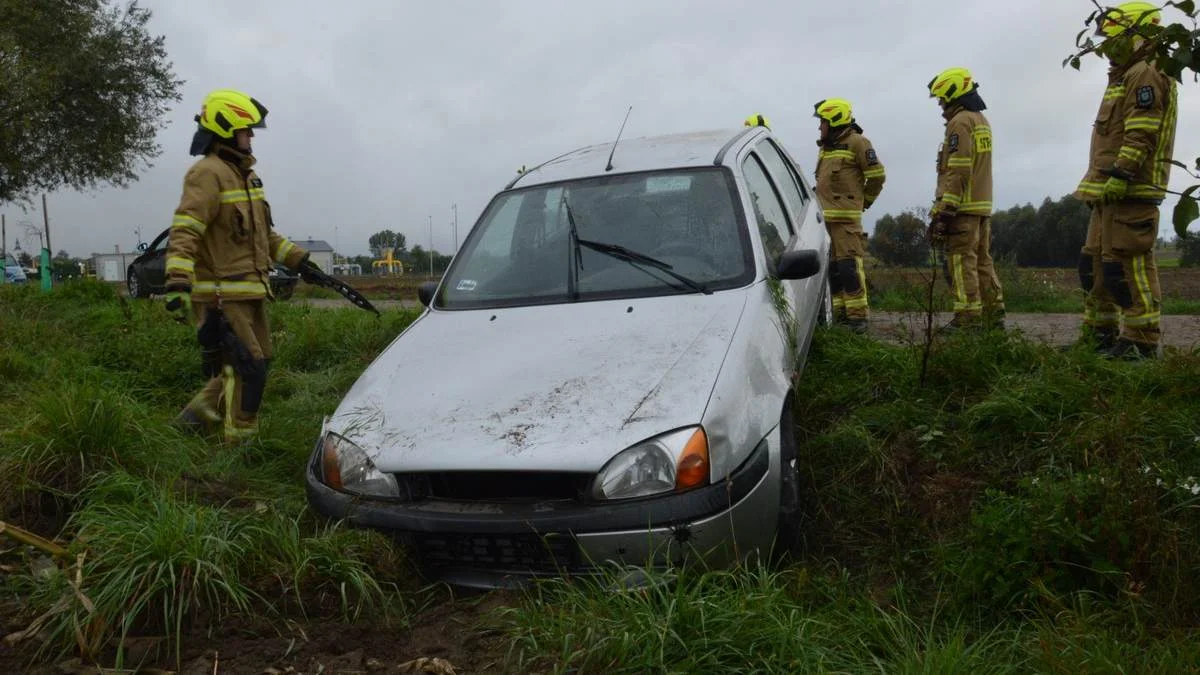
3 248
46 220
47 282
430 247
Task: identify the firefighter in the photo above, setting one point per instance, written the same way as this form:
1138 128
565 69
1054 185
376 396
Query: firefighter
222 248
1132 144
757 120
961 215
849 179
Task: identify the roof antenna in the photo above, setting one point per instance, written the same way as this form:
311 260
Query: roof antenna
614 147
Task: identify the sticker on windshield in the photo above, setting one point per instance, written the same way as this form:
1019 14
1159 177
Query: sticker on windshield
668 183
465 285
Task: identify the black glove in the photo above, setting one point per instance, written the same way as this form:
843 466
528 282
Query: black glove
309 271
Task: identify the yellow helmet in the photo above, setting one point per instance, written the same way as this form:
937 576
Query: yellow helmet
757 120
836 111
951 84
1114 21
225 111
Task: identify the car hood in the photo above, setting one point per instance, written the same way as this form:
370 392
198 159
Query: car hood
550 388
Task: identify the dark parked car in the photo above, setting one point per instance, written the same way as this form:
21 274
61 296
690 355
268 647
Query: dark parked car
147 273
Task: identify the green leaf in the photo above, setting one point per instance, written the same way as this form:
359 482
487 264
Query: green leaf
1186 6
1187 210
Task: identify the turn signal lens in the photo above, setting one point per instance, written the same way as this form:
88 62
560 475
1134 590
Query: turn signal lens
331 469
692 468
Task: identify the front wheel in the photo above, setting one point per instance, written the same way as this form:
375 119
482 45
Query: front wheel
133 281
789 527
825 312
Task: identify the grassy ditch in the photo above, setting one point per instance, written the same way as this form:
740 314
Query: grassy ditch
1027 511
167 532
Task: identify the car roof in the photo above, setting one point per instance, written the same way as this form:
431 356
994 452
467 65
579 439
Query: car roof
674 151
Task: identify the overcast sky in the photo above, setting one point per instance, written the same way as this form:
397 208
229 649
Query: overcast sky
383 113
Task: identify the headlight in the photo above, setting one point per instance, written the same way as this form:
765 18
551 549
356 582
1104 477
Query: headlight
672 462
345 467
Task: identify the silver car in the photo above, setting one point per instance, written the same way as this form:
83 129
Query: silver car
603 375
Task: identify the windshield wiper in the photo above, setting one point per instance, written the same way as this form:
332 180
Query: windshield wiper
577 263
635 258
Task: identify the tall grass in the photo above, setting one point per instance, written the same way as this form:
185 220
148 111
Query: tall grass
1026 510
175 533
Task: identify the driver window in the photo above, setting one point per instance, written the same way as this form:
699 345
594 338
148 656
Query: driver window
769 214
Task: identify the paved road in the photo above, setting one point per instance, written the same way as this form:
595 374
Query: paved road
1178 331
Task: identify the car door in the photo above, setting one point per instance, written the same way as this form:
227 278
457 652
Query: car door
775 227
810 231
155 265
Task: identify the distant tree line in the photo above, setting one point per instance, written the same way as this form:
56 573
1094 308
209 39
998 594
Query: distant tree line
1047 236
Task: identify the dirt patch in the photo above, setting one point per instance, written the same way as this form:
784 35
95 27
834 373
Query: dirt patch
454 631
1181 331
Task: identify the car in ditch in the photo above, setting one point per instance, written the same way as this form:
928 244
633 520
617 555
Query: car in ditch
604 374
147 273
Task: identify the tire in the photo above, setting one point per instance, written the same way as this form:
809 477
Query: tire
135 284
825 313
789 528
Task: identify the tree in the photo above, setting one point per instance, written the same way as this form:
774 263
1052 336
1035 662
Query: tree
387 239
1049 236
1189 248
83 87
25 259
1173 48
901 240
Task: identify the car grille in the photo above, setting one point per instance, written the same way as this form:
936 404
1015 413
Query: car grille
509 552
502 486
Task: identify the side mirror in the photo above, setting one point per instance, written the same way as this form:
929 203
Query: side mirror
425 292
143 246
798 264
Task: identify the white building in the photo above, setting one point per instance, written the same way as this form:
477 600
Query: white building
321 253
112 266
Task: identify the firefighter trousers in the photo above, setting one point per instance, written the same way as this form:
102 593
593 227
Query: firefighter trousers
1119 274
847 279
236 346
969 268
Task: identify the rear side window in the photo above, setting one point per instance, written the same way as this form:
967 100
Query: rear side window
784 177
769 214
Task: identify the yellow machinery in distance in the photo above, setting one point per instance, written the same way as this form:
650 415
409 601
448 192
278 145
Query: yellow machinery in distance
387 265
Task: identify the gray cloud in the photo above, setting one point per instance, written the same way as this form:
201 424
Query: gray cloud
386 113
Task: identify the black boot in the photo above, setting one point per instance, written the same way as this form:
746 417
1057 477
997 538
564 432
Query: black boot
1128 350
1098 340
857 325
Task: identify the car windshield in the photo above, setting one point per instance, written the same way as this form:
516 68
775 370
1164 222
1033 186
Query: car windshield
10 261
524 252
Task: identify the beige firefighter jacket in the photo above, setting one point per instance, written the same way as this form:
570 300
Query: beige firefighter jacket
849 175
964 164
222 241
1134 134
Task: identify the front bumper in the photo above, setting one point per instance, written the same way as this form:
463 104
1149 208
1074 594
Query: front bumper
490 545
